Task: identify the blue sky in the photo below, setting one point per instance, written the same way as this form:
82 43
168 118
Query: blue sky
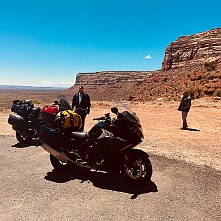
47 42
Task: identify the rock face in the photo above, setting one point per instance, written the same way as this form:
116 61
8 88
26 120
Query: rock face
194 50
191 63
108 85
111 77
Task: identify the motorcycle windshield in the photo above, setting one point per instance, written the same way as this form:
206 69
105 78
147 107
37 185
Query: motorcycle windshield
133 123
131 120
64 103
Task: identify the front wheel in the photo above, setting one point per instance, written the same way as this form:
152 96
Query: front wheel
60 165
136 168
23 138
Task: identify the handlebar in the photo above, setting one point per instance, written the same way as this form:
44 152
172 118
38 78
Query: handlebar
106 117
100 118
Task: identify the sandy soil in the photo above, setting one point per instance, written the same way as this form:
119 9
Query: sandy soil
161 124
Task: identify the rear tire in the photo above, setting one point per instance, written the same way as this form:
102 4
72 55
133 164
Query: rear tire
136 168
60 165
22 139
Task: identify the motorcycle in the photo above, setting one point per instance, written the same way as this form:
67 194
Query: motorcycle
25 119
108 146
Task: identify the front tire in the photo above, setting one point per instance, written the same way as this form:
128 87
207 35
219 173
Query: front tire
60 165
22 138
136 168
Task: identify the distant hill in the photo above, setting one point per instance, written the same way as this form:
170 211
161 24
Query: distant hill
16 87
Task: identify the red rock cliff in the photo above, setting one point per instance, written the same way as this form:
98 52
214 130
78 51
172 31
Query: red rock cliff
193 50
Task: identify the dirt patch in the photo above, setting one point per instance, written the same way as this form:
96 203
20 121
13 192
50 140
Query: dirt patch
161 124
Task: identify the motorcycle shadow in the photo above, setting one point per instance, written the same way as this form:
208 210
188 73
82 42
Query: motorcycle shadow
28 144
109 181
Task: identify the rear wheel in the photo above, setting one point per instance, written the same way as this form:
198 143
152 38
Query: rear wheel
60 165
137 168
23 138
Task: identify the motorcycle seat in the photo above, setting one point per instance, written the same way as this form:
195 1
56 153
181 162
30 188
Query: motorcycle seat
80 135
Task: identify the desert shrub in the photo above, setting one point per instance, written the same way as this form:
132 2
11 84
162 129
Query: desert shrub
37 101
195 93
199 77
191 93
131 98
217 93
165 79
198 93
210 66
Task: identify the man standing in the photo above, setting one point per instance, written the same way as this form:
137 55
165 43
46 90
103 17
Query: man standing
185 105
81 103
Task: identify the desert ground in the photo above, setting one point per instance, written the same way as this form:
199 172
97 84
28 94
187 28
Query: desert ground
161 122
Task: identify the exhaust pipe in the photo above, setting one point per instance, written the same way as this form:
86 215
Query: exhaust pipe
59 155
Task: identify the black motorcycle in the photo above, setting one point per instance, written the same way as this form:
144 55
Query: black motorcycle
25 119
108 146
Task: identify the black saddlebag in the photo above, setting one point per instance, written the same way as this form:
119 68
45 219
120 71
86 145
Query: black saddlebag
22 108
16 106
16 120
51 136
34 118
35 114
36 111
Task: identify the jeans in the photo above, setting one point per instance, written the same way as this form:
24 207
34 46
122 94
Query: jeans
184 116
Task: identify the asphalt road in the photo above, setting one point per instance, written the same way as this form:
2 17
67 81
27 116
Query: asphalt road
31 190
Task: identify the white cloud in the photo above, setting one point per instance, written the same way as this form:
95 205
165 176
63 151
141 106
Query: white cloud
66 83
147 57
56 84
47 83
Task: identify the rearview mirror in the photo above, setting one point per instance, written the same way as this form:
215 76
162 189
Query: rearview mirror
114 110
